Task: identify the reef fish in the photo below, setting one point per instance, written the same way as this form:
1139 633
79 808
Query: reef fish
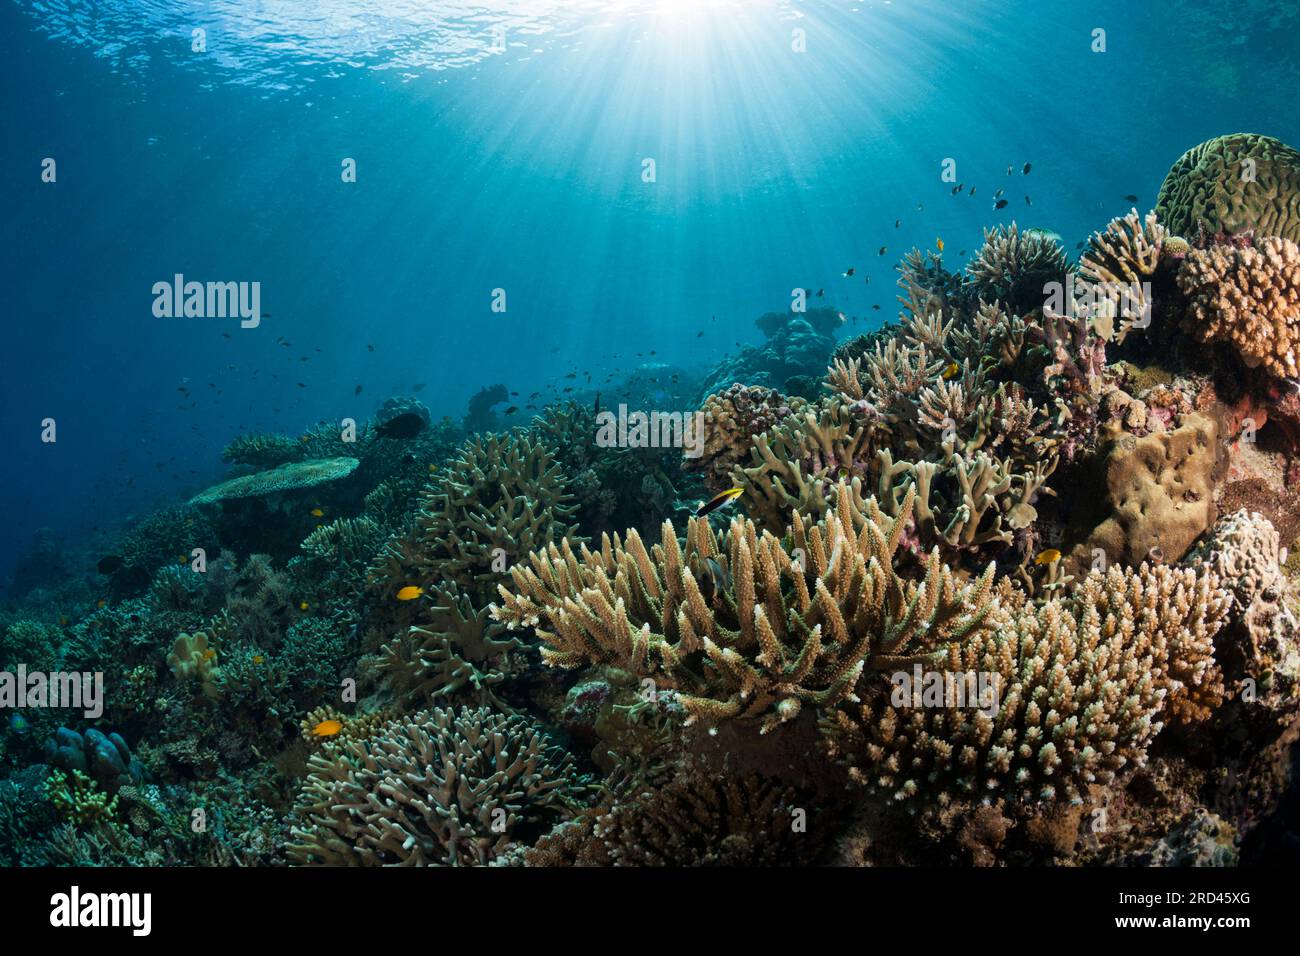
410 592
718 500
110 563
405 425
1049 556
326 728
950 370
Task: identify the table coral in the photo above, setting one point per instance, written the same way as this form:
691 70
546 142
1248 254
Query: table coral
294 476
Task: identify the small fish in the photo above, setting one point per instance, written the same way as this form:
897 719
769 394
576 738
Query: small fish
875 308
848 273
357 390
370 348
1028 201
820 293
950 370
972 190
897 223
318 512
939 243
209 655
109 563
1049 556
512 409
883 250
998 194
1000 204
18 724
258 659
405 425
101 603
718 500
1025 171
326 728
1130 198
1009 170
410 593
432 469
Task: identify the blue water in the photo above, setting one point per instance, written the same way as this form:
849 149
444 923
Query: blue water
522 170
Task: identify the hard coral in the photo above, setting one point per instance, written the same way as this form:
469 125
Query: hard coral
743 625
294 476
1243 182
439 788
732 419
1249 297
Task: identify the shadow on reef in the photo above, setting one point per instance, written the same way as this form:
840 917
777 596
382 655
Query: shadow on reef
1009 581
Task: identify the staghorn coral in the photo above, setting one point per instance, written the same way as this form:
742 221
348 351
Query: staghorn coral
742 625
1081 687
1249 297
1015 268
441 787
732 419
294 476
1240 183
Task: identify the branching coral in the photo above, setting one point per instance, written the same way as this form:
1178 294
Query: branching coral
441 787
732 419
1113 268
743 625
78 800
1248 296
458 653
1080 687
1015 268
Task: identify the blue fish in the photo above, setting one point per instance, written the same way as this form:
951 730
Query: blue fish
19 724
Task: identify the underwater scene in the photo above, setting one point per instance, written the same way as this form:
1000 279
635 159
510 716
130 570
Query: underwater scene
659 433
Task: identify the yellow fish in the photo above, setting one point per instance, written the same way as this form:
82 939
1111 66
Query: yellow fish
409 593
952 369
327 728
209 654
939 243
317 513
258 659
432 469
303 606
101 603
1050 556
718 500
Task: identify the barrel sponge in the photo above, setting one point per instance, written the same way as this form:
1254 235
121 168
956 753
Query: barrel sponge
1160 493
288 477
1248 296
1208 184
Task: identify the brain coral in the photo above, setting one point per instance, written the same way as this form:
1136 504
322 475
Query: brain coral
1209 185
289 477
439 788
1250 297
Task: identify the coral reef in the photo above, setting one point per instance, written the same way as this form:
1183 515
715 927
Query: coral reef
439 788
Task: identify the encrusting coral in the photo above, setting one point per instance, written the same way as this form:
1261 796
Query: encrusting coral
441 787
1248 296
